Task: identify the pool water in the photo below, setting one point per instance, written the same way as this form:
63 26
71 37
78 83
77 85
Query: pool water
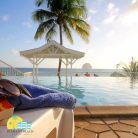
92 91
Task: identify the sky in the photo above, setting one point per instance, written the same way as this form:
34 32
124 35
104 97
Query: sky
113 38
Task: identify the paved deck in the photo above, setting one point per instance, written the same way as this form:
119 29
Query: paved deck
106 121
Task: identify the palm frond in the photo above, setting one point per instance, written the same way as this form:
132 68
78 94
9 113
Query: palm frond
42 15
117 65
39 2
67 31
132 67
43 2
68 13
70 3
83 33
81 2
51 33
43 27
80 27
81 23
76 11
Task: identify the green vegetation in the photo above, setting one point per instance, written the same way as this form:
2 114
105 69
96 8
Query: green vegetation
2 73
65 15
18 74
131 69
117 74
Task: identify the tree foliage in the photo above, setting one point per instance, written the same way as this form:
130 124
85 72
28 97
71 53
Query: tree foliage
70 14
131 69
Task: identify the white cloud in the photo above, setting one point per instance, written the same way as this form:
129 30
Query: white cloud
5 18
28 41
87 51
7 39
90 51
111 33
88 19
130 17
27 24
99 1
95 28
92 11
134 1
110 6
113 12
14 51
109 20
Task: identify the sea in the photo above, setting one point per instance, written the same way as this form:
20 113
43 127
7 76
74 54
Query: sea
80 72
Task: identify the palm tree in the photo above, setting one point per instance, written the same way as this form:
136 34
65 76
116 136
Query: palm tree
65 15
131 69
14 117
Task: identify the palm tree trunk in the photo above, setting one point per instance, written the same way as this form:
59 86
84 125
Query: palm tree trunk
61 42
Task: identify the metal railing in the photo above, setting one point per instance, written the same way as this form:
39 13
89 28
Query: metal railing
7 70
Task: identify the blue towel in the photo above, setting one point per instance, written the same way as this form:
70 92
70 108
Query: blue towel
43 97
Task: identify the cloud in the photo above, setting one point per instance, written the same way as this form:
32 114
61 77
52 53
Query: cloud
5 18
92 11
99 1
130 17
112 13
134 1
95 28
87 51
110 6
111 33
1 39
28 41
7 39
90 51
14 51
88 19
109 20
27 24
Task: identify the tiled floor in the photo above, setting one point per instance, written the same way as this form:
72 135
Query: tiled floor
106 126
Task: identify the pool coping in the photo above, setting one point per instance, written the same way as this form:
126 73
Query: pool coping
106 111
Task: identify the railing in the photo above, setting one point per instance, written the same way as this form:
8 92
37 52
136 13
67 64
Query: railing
7 70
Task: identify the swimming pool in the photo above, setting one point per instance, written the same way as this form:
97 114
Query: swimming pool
92 91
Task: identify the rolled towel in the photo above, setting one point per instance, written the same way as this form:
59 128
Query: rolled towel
43 97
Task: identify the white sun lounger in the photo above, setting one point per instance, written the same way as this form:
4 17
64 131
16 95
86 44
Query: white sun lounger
45 122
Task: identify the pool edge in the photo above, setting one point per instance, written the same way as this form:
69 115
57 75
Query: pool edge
106 111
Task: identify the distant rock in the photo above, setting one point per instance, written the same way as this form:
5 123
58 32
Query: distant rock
117 74
87 66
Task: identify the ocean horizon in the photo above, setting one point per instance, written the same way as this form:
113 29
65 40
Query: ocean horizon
53 71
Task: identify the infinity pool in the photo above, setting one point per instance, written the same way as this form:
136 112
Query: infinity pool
92 91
